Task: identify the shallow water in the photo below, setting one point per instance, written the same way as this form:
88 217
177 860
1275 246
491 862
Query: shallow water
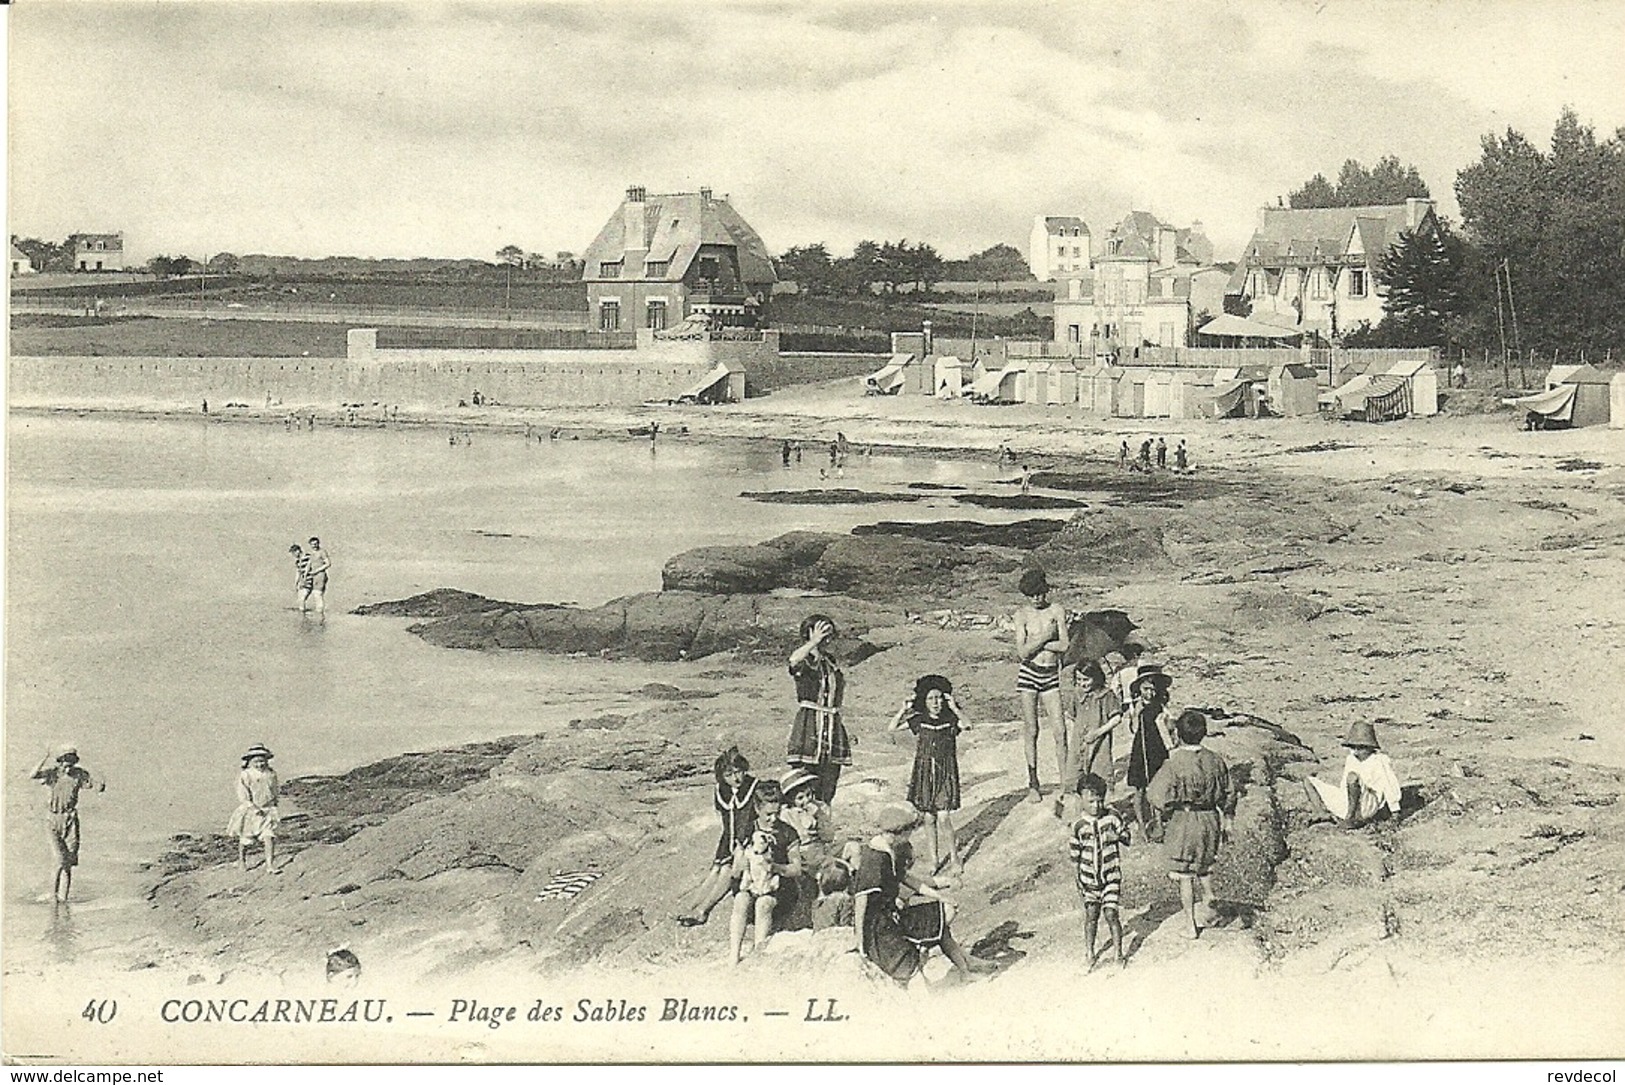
150 603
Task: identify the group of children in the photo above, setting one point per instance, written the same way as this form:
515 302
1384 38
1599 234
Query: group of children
1159 448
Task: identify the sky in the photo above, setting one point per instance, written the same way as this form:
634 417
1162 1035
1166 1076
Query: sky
450 130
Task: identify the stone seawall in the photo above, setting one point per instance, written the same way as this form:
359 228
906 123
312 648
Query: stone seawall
426 378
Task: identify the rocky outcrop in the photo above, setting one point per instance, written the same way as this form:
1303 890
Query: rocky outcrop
655 626
1020 535
439 603
842 496
1102 538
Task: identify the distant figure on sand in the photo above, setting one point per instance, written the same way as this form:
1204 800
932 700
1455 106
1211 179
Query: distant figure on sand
1026 480
1162 452
1122 456
1145 454
1368 789
818 739
933 788
256 816
1198 802
1182 461
301 574
316 567
61 772
1041 639
784 453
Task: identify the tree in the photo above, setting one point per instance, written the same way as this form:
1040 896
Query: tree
810 267
512 255
922 266
44 255
998 263
1550 227
165 267
223 263
1420 277
1388 182
857 274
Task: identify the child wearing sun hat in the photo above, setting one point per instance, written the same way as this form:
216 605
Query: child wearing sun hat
256 815
1368 788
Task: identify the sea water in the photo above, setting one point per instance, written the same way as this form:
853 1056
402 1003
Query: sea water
151 609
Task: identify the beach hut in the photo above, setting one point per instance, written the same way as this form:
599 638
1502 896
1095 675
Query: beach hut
1293 390
1097 388
1128 399
1001 385
1036 389
1189 389
1616 402
1422 382
889 379
1063 382
1576 395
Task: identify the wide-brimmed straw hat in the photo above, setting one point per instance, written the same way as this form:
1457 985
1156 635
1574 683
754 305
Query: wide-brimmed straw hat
1150 672
257 750
898 819
794 779
67 749
1362 734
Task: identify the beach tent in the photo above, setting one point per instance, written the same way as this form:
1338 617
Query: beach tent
888 380
1294 390
1575 396
1000 386
1380 398
1616 402
1189 391
1097 389
1423 382
952 376
721 385
1228 399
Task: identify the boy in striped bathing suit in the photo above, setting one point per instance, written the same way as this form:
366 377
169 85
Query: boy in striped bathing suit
1098 837
1040 642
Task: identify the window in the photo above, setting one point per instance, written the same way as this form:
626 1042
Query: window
657 316
609 316
656 269
708 268
609 269
1075 251
1165 336
1074 333
1357 282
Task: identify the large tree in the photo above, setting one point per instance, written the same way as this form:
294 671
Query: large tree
1388 182
1551 227
1421 281
998 263
809 266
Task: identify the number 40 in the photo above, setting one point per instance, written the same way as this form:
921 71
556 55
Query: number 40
100 1011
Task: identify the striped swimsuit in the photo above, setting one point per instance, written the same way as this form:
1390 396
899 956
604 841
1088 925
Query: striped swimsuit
1096 847
1036 677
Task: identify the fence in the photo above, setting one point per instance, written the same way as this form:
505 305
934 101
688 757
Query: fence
438 338
315 311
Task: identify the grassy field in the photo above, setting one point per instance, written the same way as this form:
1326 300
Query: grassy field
891 316
40 334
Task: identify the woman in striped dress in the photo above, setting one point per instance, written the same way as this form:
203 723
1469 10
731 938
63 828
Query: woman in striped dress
818 739
933 789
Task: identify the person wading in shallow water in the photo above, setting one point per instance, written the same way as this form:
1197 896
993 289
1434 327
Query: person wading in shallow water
1041 640
316 567
61 772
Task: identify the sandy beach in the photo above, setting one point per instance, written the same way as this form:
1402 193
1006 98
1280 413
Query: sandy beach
1454 581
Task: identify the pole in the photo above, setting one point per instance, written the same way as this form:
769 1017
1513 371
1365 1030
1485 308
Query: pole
1517 341
1500 323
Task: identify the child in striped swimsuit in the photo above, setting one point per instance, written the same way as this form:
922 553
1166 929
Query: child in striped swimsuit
1098 837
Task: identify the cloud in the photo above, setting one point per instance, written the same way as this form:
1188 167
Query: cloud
452 129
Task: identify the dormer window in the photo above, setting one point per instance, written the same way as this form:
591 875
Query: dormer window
656 269
609 269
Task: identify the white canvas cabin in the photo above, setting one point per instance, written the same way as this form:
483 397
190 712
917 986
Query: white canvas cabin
1616 402
1294 391
890 378
722 385
1005 385
1423 385
952 376
1575 396
1381 398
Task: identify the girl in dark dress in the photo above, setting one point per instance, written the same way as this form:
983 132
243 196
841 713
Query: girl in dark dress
818 739
892 937
735 802
1148 747
933 789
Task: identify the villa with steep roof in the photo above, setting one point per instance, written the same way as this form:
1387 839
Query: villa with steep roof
662 258
1314 269
1058 247
1150 282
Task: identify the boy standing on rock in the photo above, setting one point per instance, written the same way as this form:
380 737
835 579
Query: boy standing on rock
1040 642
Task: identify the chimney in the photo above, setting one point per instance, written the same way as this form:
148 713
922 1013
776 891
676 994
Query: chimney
632 224
705 194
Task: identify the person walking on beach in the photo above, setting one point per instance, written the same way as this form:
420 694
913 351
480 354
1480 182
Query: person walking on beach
784 453
1197 800
301 573
933 787
316 567
818 739
61 772
1182 460
1162 453
1122 456
1145 454
1041 640
256 815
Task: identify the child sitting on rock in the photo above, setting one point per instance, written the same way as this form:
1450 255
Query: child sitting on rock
1368 789
833 908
